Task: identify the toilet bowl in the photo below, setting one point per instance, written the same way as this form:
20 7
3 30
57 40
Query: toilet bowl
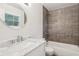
49 50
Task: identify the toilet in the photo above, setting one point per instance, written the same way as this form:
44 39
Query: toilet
49 50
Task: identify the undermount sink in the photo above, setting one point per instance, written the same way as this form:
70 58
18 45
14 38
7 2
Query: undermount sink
23 44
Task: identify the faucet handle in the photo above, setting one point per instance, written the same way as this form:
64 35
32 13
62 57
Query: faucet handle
12 41
19 38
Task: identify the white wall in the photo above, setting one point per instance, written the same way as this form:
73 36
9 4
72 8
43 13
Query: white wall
34 21
33 26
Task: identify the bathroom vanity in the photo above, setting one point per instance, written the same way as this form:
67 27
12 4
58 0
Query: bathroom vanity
28 47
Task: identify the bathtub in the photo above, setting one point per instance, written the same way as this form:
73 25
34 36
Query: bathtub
62 49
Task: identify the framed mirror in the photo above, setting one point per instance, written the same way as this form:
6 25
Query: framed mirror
13 15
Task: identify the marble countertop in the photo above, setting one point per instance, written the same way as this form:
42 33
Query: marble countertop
21 48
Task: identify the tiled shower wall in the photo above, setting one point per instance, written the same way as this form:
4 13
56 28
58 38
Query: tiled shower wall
64 25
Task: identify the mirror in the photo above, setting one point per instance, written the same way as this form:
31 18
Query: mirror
13 15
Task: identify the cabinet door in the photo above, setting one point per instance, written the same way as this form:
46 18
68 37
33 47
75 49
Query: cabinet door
39 51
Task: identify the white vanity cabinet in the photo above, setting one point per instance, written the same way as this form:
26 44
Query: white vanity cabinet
38 51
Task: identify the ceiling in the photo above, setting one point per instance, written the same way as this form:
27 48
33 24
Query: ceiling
49 6
53 6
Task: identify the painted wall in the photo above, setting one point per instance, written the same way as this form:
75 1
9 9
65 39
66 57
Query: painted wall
34 25
64 25
32 28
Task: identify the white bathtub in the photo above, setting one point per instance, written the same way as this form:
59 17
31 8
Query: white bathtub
62 49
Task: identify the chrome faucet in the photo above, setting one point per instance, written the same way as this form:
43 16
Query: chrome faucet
19 38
